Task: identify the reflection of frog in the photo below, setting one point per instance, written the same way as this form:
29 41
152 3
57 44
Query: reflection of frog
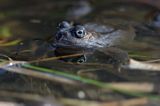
89 37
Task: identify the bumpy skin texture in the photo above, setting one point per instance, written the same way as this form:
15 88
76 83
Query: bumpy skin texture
91 37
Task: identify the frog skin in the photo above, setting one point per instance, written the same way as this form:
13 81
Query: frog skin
89 37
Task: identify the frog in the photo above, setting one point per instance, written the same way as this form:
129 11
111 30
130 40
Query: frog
91 37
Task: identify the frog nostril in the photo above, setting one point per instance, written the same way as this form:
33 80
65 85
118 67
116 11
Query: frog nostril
59 36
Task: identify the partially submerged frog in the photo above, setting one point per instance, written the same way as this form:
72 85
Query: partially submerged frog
90 37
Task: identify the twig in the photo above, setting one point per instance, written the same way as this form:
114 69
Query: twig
151 61
26 97
42 75
130 102
134 64
56 58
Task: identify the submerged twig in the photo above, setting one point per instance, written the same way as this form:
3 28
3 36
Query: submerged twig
9 103
11 43
135 87
31 72
56 58
130 102
35 98
151 61
133 64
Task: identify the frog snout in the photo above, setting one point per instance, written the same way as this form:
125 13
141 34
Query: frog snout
59 36
62 35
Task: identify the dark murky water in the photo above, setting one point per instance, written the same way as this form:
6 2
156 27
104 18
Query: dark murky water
26 20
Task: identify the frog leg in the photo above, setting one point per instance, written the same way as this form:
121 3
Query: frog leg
114 56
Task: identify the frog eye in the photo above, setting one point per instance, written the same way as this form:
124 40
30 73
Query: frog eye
80 31
64 24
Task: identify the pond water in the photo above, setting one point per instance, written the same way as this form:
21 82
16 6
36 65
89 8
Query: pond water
27 20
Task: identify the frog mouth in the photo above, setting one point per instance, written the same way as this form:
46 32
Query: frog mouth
92 45
65 45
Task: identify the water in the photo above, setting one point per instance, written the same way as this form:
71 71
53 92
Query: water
26 20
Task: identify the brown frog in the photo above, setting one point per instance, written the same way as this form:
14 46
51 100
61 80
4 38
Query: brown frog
71 39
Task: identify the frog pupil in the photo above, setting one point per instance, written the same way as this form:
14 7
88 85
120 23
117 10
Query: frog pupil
80 32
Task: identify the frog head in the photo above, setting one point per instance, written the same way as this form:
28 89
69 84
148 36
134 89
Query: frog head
69 35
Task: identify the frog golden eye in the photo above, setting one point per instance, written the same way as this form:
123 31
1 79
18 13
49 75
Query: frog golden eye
80 31
64 24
